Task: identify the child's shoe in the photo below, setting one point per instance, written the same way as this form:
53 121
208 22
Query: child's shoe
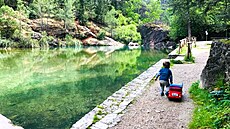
162 93
167 93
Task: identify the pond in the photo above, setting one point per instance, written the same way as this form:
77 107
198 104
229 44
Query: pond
52 89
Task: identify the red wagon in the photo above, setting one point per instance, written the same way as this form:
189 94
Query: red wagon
175 92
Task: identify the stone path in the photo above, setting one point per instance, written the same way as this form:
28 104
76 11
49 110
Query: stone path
151 111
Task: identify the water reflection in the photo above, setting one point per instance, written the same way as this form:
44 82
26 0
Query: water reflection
54 88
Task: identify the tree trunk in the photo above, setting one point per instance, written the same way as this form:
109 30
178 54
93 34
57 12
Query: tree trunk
189 21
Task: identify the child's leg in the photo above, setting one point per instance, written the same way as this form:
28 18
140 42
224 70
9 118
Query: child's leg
162 84
167 90
162 87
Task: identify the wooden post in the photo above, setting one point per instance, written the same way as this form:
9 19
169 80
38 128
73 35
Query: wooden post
189 50
180 46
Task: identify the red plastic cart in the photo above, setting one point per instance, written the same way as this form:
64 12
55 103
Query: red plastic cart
175 92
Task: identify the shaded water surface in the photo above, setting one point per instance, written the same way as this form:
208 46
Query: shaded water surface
52 89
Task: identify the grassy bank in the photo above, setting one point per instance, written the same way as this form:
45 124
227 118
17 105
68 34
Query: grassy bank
209 113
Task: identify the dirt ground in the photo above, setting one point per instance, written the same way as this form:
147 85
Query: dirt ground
152 111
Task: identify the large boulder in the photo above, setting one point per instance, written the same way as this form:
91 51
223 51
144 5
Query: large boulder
218 65
90 41
156 37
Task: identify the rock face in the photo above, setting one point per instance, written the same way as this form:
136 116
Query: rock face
154 36
86 34
218 65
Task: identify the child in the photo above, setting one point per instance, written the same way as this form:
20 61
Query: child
165 76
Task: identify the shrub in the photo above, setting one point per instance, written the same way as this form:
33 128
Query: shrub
189 59
176 62
69 41
101 35
226 41
45 40
127 33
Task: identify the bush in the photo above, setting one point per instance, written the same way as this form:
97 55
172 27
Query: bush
69 41
226 41
189 59
127 33
45 40
176 62
101 35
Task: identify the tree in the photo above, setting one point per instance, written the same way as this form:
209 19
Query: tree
111 20
102 7
82 17
43 8
8 23
153 11
212 15
67 13
1 3
217 14
183 9
131 9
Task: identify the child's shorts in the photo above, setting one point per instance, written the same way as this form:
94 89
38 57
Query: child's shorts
164 83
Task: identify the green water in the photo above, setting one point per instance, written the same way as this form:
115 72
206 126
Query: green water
52 89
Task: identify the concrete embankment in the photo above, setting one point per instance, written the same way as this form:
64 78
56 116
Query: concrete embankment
7 124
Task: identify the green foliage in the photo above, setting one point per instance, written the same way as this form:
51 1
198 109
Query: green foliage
127 33
95 119
1 3
67 14
42 8
208 113
8 23
69 41
226 41
189 59
153 11
176 62
203 15
101 35
110 17
82 13
177 27
183 50
22 8
102 7
131 8
111 20
4 43
45 40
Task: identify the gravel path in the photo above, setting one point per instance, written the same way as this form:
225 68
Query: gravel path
151 111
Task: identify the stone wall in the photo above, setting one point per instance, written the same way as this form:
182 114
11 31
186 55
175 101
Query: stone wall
218 65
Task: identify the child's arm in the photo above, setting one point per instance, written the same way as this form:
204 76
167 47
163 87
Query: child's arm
156 76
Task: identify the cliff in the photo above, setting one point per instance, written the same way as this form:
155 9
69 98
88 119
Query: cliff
217 68
156 37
